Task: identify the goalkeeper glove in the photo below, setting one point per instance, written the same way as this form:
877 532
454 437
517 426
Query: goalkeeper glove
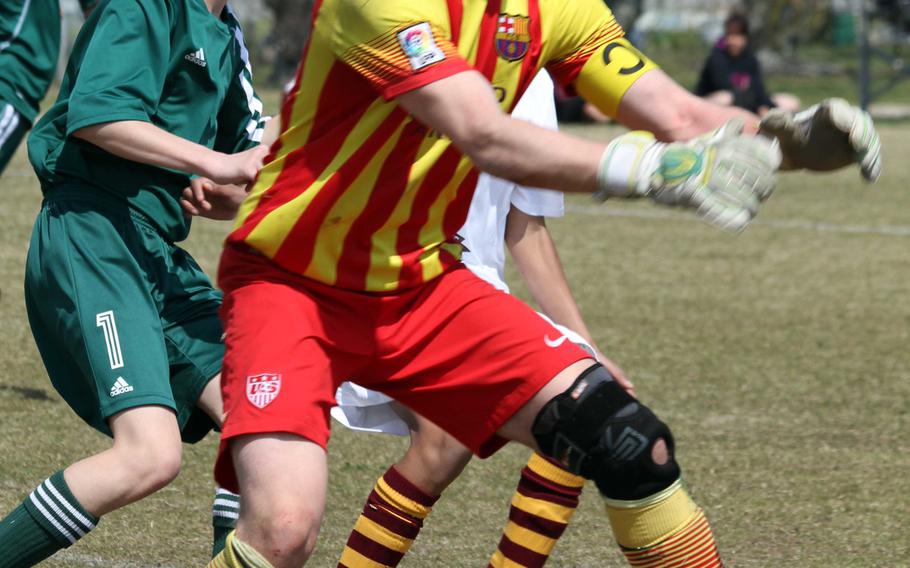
723 176
828 136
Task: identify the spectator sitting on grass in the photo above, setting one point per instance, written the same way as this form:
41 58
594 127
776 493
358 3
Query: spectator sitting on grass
732 74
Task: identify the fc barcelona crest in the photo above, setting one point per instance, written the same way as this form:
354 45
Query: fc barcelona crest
513 37
261 390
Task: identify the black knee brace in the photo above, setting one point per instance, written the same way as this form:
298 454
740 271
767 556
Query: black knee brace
599 431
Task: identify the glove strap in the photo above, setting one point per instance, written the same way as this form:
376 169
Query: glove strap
627 165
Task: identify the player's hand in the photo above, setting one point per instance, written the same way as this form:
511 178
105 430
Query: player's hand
205 198
828 136
240 168
616 371
723 176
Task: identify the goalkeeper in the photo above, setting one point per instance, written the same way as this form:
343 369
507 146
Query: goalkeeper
345 263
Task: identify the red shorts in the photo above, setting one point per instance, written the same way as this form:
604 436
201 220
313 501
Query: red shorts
455 350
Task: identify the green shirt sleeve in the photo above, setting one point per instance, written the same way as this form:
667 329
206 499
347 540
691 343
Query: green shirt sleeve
122 74
240 121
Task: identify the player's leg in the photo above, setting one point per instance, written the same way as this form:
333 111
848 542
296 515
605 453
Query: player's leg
434 458
587 421
144 457
403 497
226 504
543 504
509 381
13 129
193 333
541 508
278 385
99 334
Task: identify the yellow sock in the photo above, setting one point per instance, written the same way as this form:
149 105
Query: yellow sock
238 554
667 529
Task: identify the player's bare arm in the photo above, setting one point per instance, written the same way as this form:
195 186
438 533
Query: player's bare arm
723 178
145 143
463 108
537 259
206 198
825 137
658 104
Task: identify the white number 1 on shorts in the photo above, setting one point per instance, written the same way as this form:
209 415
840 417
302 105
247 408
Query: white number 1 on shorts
106 322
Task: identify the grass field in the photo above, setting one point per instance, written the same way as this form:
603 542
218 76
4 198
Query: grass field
780 358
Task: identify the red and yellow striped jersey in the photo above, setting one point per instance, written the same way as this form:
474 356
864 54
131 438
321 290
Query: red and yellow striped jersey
357 194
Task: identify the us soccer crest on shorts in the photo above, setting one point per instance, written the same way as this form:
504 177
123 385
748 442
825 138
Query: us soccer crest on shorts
261 390
513 37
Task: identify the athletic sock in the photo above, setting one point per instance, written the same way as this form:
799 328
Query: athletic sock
238 554
225 512
543 504
667 529
390 522
48 520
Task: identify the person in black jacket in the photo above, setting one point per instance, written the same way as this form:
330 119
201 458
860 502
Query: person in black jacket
732 74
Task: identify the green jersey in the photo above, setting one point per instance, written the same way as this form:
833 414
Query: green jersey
167 62
29 48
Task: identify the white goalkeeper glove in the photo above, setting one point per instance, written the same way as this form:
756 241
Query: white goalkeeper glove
723 176
828 136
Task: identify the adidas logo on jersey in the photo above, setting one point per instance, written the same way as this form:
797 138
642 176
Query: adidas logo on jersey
120 387
197 57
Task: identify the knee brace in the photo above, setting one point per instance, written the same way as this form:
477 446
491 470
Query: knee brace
597 430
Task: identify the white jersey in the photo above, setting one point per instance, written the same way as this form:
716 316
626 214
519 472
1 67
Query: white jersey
484 238
484 231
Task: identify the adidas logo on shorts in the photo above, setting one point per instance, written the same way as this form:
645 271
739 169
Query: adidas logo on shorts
197 57
120 387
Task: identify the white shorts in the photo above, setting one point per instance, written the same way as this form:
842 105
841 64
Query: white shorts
366 410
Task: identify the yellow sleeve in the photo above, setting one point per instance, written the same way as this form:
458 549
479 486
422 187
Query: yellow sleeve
585 49
397 45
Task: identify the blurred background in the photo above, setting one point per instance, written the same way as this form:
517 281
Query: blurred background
856 49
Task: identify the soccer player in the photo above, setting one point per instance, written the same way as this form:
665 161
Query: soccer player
125 320
345 263
501 214
29 49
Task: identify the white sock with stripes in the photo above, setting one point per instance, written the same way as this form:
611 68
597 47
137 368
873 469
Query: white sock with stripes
49 519
225 512
57 510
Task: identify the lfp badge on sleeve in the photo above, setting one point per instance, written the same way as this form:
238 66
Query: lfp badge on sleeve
261 390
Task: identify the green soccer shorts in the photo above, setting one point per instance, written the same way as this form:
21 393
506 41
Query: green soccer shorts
13 129
122 317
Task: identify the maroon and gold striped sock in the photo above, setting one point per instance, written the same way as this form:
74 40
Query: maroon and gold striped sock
545 500
390 522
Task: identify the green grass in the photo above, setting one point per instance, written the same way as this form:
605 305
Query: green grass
780 358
